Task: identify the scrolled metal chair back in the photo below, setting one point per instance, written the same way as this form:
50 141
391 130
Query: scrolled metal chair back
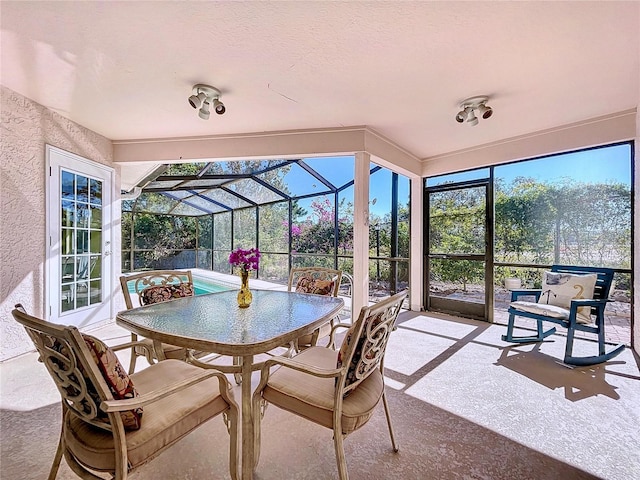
60 350
139 282
368 340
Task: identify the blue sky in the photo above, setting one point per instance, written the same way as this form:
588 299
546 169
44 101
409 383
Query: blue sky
340 170
598 165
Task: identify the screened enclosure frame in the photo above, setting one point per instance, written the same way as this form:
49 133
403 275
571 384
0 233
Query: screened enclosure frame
207 190
526 271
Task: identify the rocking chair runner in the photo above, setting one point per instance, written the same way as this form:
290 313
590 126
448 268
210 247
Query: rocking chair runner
573 318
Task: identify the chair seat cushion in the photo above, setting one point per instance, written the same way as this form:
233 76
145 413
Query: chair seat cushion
313 397
165 421
552 311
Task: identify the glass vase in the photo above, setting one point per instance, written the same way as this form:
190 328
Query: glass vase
244 295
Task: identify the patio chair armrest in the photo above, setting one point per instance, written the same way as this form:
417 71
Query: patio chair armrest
311 370
588 302
124 346
332 335
291 363
160 393
522 292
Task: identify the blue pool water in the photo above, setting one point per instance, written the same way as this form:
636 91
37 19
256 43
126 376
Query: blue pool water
202 286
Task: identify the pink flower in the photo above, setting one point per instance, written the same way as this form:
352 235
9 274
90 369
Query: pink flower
245 259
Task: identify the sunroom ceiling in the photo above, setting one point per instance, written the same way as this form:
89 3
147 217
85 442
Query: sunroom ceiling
125 69
204 188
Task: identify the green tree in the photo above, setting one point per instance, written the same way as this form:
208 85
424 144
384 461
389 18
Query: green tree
524 222
457 225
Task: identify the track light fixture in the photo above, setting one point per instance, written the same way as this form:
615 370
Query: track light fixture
196 100
203 97
204 112
218 106
469 107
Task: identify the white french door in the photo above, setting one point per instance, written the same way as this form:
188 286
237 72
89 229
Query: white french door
79 217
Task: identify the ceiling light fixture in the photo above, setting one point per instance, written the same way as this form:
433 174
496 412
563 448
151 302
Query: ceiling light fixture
203 97
218 106
204 112
469 107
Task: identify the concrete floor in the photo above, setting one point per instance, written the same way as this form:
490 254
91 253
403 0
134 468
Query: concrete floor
465 405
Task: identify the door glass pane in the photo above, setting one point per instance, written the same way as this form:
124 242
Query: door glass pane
82 295
83 215
96 267
81 219
96 192
82 244
457 221
67 298
96 216
82 189
67 241
68 185
82 267
68 214
67 271
96 241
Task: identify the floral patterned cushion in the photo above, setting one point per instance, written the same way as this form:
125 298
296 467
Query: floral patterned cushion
162 293
120 385
356 367
307 284
114 375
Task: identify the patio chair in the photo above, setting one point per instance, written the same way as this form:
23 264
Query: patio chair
573 297
150 287
317 281
336 389
113 422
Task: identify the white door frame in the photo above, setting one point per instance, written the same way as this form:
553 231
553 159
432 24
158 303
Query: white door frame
56 160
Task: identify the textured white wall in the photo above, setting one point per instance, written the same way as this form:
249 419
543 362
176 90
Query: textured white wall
26 128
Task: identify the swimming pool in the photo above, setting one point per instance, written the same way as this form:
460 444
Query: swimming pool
205 285
201 286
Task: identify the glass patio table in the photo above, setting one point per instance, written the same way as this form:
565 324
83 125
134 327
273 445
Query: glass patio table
214 323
